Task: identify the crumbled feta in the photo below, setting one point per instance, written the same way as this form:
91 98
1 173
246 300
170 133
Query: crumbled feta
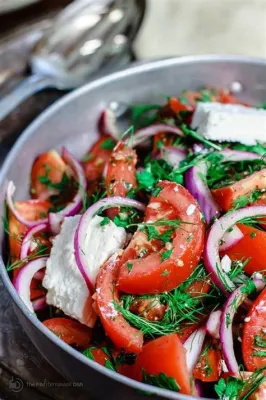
258 275
191 208
230 122
66 286
247 319
226 264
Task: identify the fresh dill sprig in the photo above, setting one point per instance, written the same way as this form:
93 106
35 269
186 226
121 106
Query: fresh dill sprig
183 308
42 251
189 132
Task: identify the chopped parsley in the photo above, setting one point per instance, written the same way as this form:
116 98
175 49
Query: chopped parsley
129 267
165 255
161 380
239 388
144 114
105 221
108 144
243 201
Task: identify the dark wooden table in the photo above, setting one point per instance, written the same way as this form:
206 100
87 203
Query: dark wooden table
24 373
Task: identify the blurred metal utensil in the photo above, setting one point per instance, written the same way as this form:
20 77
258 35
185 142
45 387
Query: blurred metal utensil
87 39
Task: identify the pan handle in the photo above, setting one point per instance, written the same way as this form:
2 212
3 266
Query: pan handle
23 91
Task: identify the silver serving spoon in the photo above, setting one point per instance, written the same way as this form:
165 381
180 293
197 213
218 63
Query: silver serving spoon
87 39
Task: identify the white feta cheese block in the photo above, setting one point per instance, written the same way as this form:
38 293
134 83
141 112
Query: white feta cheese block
230 122
63 280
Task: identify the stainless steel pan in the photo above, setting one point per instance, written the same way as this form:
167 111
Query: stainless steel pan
72 121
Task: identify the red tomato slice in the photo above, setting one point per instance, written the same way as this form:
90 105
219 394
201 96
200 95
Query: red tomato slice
116 327
149 273
71 332
99 356
162 138
197 288
31 210
121 170
36 289
208 368
49 165
164 355
254 335
186 331
252 245
95 161
226 97
176 105
226 196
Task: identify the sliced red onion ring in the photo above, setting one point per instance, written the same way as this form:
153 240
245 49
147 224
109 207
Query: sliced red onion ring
226 334
143 134
107 124
238 155
211 253
197 186
9 198
198 388
172 155
75 206
23 280
39 304
193 346
71 209
107 202
28 239
231 238
213 324
195 181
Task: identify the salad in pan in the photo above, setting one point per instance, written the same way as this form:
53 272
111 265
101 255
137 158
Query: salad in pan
148 255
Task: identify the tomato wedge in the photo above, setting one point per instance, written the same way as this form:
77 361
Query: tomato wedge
227 195
50 166
94 162
254 335
121 170
208 368
31 210
186 331
160 139
116 327
164 355
252 246
71 332
156 266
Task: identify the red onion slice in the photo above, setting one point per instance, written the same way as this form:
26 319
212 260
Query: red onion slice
71 209
107 124
226 334
231 238
23 280
238 155
39 304
75 206
107 202
172 155
143 134
9 198
28 239
216 233
193 346
195 181
213 324
197 186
